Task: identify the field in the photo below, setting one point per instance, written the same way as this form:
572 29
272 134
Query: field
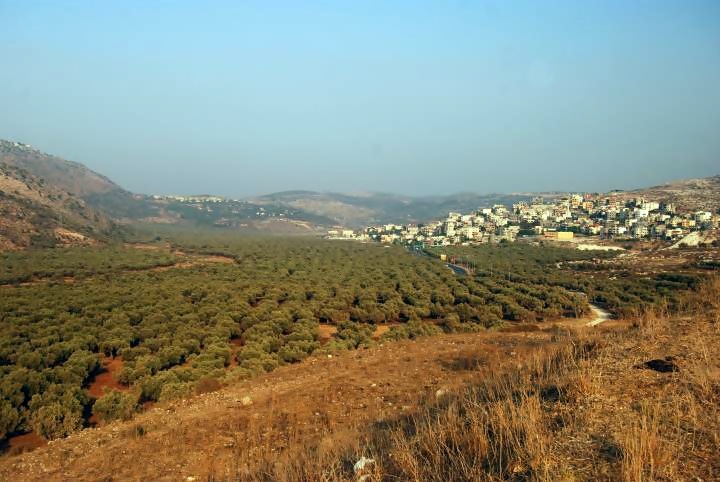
542 405
624 283
185 317
95 335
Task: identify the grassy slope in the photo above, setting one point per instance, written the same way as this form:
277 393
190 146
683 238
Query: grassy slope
533 406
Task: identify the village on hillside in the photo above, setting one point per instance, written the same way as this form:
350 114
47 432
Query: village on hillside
564 219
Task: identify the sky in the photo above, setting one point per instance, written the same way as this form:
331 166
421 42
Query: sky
414 97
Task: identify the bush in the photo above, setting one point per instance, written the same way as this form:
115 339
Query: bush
9 418
412 329
115 405
174 391
56 421
207 385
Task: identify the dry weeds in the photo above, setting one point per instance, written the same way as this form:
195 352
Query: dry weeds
536 406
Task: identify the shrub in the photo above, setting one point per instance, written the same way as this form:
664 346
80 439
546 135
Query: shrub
174 391
207 385
115 405
56 421
9 418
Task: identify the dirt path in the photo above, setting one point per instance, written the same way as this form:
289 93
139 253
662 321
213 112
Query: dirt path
186 439
599 315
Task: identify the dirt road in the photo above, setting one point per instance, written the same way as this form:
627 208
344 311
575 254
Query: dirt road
600 315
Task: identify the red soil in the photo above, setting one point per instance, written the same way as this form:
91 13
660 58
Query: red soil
235 345
107 378
24 443
326 331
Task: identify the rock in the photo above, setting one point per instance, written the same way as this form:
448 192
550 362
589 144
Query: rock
362 468
246 401
663 366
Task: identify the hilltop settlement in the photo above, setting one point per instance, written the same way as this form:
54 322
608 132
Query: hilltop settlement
613 216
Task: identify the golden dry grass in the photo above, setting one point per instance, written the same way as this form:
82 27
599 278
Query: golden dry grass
580 411
541 406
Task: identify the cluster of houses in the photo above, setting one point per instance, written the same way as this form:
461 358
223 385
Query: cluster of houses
560 219
193 199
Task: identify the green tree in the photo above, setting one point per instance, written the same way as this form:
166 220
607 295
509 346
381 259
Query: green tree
115 405
9 418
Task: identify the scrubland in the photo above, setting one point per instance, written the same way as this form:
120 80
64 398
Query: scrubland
553 404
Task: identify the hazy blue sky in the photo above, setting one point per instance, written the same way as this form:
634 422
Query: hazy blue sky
418 97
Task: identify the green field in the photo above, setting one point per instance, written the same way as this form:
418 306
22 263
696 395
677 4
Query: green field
197 322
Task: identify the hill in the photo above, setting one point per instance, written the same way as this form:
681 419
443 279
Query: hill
689 194
66 175
41 189
381 208
95 189
34 212
288 212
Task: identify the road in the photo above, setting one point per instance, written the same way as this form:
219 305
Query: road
600 315
459 270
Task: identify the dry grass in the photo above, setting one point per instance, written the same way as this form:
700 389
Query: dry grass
580 411
500 429
545 406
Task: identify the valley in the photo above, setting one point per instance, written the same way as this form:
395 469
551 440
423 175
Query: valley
359 241
204 338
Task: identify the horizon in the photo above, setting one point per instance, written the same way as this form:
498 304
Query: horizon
368 193
416 99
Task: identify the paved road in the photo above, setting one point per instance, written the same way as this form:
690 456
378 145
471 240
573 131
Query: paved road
459 270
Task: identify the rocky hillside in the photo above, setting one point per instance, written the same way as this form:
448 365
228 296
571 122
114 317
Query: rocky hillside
34 213
95 189
690 194
66 175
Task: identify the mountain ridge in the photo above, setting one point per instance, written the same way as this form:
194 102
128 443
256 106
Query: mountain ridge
100 203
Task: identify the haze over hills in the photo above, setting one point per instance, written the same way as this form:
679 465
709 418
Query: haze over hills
44 198
371 208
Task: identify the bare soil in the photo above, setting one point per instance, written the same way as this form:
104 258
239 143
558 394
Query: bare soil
106 379
19 444
347 391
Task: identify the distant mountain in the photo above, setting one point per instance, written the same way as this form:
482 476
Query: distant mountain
382 208
46 200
